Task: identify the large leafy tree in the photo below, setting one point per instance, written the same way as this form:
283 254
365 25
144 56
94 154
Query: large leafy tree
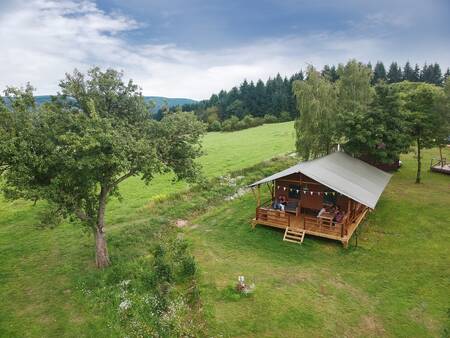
75 151
425 118
354 90
380 134
354 98
315 128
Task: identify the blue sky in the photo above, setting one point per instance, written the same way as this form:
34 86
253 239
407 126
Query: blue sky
194 48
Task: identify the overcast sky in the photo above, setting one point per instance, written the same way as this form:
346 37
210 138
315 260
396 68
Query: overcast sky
190 48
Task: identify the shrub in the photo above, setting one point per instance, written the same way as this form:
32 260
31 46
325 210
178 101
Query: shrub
241 125
285 116
269 118
230 124
215 126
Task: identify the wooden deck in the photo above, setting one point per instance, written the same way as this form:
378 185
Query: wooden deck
309 224
440 166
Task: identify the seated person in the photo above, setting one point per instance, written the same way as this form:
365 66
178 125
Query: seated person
280 203
339 216
321 211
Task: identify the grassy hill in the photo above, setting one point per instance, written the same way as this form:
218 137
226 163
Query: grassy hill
394 284
43 271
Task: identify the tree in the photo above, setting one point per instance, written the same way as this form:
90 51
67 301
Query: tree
417 72
354 90
379 73
446 75
380 134
236 108
316 99
395 73
408 73
75 151
437 75
354 97
330 73
443 129
420 101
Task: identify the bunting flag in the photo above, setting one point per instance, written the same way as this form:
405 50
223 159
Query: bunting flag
306 190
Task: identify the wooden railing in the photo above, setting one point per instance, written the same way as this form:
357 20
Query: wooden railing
272 217
439 162
324 225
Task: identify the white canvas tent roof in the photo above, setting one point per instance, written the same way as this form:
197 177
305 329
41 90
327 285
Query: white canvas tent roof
343 173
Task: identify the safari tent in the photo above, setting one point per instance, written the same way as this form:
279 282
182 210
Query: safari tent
306 198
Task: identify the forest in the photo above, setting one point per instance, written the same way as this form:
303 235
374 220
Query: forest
251 104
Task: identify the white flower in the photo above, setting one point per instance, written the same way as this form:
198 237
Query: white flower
125 305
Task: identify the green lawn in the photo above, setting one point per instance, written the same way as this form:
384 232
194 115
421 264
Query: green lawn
396 283
40 268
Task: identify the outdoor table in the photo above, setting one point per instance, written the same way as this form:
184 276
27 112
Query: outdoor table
326 216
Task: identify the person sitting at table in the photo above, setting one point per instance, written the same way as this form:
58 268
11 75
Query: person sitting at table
321 211
339 216
280 203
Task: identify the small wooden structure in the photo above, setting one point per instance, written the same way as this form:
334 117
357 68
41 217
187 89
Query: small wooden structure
440 166
336 179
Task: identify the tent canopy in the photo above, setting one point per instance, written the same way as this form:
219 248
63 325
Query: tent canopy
343 173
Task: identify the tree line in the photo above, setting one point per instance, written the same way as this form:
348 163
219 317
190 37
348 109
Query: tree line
251 104
373 122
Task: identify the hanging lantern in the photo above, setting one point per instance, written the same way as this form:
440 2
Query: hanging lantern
311 193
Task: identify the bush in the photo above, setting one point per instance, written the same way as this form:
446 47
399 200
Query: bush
241 125
230 124
269 118
285 116
215 126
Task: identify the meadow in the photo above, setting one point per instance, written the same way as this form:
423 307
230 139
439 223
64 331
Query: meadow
41 268
396 282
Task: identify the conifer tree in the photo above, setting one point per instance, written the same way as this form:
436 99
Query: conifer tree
379 73
395 73
408 73
416 76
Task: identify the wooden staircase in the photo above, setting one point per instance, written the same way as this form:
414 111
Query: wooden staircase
294 235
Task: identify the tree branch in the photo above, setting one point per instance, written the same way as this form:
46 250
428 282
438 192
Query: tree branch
124 177
82 216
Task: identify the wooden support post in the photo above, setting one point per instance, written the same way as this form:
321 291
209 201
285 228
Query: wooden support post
259 196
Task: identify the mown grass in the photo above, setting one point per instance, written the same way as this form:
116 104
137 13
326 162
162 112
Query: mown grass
396 283
43 271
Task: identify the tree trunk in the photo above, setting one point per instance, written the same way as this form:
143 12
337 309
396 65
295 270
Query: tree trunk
419 162
101 249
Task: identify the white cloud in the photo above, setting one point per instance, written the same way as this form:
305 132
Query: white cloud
41 40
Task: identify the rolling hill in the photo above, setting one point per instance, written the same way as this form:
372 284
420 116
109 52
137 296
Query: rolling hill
158 100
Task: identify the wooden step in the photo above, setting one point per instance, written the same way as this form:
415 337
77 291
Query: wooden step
294 235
